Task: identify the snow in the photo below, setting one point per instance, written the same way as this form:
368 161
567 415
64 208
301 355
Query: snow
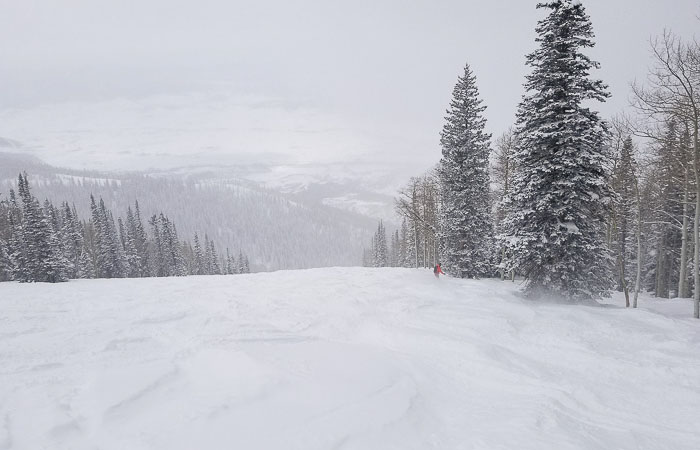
337 358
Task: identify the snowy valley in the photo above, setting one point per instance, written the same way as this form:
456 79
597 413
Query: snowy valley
279 228
345 358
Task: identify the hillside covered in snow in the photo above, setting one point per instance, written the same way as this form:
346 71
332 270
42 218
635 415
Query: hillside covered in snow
277 230
340 358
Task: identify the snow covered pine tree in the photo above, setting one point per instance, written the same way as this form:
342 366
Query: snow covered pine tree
466 226
560 196
380 248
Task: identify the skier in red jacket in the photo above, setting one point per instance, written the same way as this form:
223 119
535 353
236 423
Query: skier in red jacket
438 270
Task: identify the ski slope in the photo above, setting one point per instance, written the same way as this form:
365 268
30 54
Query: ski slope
336 358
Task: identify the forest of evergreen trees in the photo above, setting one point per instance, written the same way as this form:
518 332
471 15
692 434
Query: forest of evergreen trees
573 204
46 243
276 230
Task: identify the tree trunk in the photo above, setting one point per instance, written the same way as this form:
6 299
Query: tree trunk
503 258
659 268
435 249
415 241
624 285
683 272
696 229
638 280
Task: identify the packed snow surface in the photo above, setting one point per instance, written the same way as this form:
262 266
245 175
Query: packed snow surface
340 359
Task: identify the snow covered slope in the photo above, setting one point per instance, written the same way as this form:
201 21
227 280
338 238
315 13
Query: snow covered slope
339 359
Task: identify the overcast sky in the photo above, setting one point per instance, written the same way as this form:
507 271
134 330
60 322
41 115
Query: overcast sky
358 78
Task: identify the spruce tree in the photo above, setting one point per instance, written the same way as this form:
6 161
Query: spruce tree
381 250
86 268
466 225
56 266
215 269
230 263
115 248
188 257
559 201
17 250
624 217
208 257
41 257
198 257
241 262
72 236
130 249
141 242
157 257
103 262
5 264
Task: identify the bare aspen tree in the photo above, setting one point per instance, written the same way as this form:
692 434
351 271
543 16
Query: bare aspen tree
673 91
683 269
418 204
638 280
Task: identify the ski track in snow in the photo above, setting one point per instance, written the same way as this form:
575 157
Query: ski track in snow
340 358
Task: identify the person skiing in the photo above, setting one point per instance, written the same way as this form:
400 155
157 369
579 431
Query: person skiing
438 270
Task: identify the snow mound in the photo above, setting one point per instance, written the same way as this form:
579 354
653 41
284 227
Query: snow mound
339 359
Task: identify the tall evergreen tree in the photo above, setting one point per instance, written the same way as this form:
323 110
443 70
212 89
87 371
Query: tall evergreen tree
116 250
381 250
199 268
466 225
215 269
17 250
42 258
241 262
130 249
103 261
558 204
625 212
141 242
230 266
175 262
157 256
5 264
72 236
88 256
86 267
208 257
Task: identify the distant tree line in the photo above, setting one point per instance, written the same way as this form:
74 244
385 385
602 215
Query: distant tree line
416 242
274 231
46 243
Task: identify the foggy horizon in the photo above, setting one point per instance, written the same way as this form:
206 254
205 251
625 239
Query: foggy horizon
134 85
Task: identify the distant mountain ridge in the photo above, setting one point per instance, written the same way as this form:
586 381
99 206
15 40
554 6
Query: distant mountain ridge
276 230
